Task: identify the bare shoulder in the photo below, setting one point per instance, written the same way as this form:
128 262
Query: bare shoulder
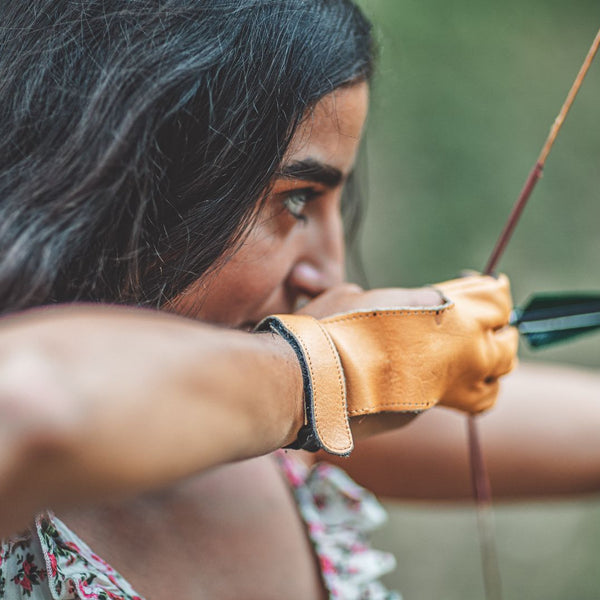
230 530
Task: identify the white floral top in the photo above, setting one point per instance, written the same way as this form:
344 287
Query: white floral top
339 516
51 563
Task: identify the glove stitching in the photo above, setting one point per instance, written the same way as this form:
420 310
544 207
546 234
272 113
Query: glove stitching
385 313
417 405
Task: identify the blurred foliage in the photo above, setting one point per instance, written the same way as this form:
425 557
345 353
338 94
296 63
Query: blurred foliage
464 98
546 551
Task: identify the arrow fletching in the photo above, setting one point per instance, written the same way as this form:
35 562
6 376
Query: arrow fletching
550 318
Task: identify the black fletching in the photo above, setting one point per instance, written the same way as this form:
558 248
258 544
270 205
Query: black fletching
550 318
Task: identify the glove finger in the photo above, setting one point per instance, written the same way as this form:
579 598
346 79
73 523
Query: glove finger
474 399
467 282
340 298
506 342
492 301
486 298
486 400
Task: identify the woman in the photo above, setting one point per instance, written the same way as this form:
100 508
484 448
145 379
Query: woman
191 157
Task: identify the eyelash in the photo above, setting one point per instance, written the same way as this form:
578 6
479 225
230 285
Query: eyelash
301 198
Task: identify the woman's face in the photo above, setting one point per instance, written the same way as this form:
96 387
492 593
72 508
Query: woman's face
295 249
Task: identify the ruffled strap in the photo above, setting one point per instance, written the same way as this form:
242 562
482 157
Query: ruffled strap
75 572
339 516
22 569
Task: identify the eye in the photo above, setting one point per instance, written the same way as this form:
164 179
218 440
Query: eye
295 202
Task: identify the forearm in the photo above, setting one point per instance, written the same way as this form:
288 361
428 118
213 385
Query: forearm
543 439
97 403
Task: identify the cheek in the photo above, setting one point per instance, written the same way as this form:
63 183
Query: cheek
237 293
241 288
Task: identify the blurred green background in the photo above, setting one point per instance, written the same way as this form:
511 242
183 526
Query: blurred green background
464 98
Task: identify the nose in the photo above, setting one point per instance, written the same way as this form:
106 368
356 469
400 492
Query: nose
320 263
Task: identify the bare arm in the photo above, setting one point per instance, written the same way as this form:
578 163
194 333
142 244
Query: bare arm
89 409
101 402
541 439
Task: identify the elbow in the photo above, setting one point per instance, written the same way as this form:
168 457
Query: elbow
37 426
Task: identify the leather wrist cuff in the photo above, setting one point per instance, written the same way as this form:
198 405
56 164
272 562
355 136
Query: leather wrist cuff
326 425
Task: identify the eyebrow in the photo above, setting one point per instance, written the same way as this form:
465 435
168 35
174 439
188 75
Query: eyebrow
312 170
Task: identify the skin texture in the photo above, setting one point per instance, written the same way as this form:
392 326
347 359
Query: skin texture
233 531
287 258
91 428
205 532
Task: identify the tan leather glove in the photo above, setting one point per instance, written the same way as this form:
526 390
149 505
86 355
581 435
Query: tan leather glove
376 360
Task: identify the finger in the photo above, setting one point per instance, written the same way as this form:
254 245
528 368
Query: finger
340 298
386 298
475 281
486 399
491 293
475 398
493 301
459 283
506 342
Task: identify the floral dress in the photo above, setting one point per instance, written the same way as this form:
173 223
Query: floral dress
51 563
339 516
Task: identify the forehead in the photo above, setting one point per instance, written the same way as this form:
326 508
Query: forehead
331 132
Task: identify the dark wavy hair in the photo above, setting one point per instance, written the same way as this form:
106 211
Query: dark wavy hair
138 136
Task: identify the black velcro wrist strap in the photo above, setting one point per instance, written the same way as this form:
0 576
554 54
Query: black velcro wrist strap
307 435
326 424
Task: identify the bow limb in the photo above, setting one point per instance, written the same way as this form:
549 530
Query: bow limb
479 476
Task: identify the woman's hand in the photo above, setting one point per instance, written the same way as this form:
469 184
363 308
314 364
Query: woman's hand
349 296
398 351
483 305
